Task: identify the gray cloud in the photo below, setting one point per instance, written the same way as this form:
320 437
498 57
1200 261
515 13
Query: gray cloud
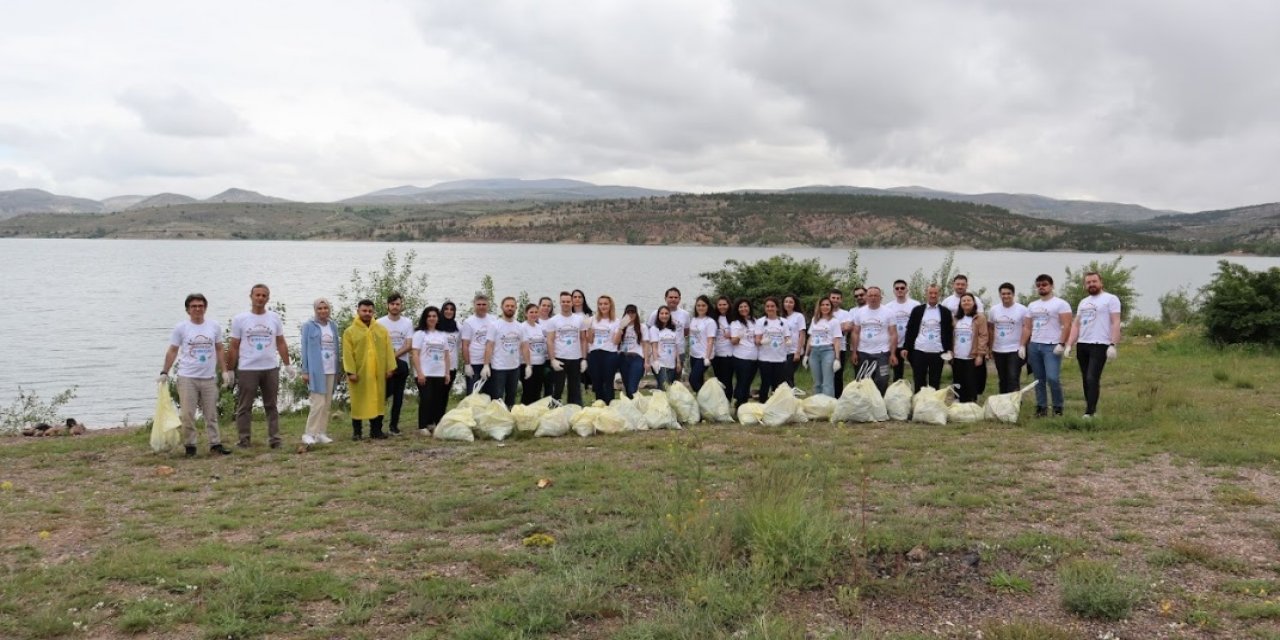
175 111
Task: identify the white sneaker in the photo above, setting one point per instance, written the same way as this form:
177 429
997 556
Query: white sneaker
1087 416
323 439
307 439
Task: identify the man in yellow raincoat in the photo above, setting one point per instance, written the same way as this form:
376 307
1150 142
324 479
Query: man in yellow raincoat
369 360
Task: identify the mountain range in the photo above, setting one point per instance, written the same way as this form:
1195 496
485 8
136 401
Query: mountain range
23 201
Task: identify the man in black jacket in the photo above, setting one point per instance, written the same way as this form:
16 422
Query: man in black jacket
928 342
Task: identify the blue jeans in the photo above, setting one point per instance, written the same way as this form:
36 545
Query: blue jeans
665 377
744 374
602 365
1047 369
821 359
632 371
504 383
697 373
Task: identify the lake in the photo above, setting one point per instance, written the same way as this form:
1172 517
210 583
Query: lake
96 314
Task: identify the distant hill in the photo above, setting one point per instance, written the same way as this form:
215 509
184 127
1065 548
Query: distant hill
554 189
20 201
243 195
1021 203
1253 229
162 200
120 203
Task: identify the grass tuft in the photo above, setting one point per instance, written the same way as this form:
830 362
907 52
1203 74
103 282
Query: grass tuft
1093 589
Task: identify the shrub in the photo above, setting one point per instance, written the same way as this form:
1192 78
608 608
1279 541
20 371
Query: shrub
1094 589
28 409
787 529
1179 307
1240 306
1116 280
775 276
1143 326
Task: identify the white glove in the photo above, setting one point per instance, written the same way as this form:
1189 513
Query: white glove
163 379
706 362
655 368
290 371
946 356
555 364
228 379
1022 353
1112 353
1057 350
835 365
805 362
528 371
1066 353
584 365
485 372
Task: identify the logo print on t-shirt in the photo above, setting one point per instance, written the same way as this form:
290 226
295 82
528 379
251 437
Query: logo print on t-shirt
258 336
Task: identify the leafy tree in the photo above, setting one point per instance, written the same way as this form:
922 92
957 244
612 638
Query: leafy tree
853 275
918 282
1179 307
395 275
1116 280
28 409
1242 306
775 276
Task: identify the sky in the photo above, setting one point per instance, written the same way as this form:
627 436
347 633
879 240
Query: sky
1164 103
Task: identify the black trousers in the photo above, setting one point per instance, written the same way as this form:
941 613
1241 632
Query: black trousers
1092 358
505 382
433 397
789 370
926 369
395 391
772 374
980 377
881 374
375 427
744 373
1009 371
723 366
839 377
532 389
570 376
901 368
964 372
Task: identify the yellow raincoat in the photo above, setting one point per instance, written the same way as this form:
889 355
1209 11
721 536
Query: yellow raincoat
366 352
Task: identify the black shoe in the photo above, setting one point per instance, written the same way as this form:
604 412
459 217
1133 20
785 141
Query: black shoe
220 449
357 437
191 451
243 444
1042 412
378 435
275 445
1057 412
395 431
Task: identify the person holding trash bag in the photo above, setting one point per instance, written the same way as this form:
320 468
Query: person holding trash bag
928 341
257 338
196 345
432 361
972 344
875 337
503 353
369 361
564 350
1095 333
772 335
475 336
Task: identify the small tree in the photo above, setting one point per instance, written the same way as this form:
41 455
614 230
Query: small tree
775 276
1116 280
1242 306
1179 307
853 275
28 409
395 275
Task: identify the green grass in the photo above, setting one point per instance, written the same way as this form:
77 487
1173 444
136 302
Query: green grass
711 532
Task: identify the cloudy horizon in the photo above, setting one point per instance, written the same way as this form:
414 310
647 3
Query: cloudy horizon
1163 104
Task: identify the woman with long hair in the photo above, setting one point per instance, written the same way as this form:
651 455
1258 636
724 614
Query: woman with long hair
535 355
432 361
664 348
722 358
743 334
772 336
702 335
602 358
449 326
970 346
825 341
581 308
631 338
793 315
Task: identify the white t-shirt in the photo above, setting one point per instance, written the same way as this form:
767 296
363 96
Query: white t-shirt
567 332
329 349
601 332
197 344
455 347
746 348
776 332
929 340
632 343
401 332
796 323
432 347
844 316
700 329
823 331
964 338
476 330
1046 319
680 318
506 336
666 343
952 302
257 335
723 346
533 334
1094 313
873 329
901 314
1007 322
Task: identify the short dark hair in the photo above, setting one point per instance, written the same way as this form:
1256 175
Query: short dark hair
960 276
899 282
664 294
186 304
1044 277
835 292
259 286
1093 273
1006 285
504 300
544 299
364 303
393 296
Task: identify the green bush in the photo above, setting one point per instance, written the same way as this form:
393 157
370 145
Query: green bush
1144 326
1242 306
788 529
1179 307
1116 280
775 276
1095 589
28 409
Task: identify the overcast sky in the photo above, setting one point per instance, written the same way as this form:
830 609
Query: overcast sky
1164 103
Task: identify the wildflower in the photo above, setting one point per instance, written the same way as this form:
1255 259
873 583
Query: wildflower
44 535
539 540
6 486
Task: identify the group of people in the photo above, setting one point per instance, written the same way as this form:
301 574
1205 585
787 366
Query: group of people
560 345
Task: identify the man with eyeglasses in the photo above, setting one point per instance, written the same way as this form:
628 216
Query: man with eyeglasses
1045 331
901 306
475 338
859 297
196 345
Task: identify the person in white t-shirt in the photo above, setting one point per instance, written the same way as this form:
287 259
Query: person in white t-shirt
825 340
664 352
1044 332
432 360
679 317
535 355
875 337
793 314
401 330
1006 321
564 349
772 335
1095 334
475 337
449 327
632 339
845 318
196 345
901 306
746 350
257 339
321 354
546 311
972 346
702 331
603 351
502 353
959 287
722 358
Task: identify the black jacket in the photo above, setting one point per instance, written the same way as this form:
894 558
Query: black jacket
917 317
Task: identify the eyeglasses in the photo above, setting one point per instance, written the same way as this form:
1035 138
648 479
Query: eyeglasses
899 288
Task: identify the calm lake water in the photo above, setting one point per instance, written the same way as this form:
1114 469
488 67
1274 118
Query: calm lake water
96 314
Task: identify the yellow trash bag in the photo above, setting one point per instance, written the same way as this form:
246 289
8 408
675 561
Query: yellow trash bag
658 413
750 413
860 402
631 415
818 407
584 423
493 420
897 400
783 407
526 416
475 400
164 425
556 422
963 412
684 403
456 425
1006 406
930 405
713 402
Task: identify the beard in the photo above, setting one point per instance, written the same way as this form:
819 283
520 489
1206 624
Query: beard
1094 290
